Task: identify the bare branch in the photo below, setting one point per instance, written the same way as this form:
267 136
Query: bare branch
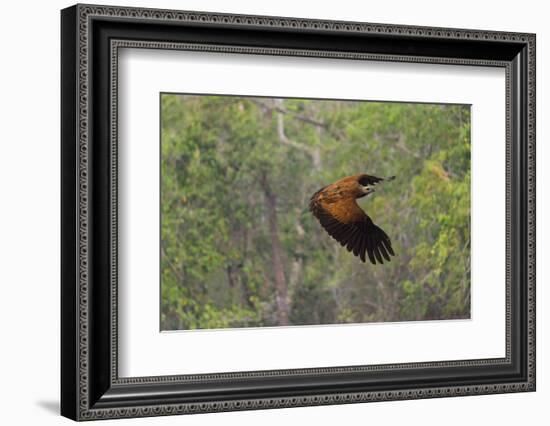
312 152
278 108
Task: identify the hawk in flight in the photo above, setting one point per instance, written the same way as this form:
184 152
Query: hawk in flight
336 208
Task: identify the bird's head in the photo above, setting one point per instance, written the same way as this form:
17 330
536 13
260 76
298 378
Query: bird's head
365 186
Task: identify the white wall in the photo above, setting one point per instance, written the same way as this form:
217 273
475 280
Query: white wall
29 225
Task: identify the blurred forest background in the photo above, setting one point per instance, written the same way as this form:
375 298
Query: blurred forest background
239 247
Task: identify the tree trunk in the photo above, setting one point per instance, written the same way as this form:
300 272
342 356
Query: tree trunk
276 256
297 262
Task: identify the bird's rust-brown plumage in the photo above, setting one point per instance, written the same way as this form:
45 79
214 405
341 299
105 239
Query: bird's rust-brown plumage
336 208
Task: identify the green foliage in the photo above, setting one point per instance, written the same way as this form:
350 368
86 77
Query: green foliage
237 174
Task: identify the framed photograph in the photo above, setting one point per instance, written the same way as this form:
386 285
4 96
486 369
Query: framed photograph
263 212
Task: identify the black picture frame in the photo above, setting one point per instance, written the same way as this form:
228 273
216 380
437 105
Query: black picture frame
90 386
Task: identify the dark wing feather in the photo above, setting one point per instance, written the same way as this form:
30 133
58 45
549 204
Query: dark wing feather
362 236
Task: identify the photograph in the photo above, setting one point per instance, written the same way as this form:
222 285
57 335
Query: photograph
299 212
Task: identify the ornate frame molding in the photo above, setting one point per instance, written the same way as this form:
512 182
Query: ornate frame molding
78 24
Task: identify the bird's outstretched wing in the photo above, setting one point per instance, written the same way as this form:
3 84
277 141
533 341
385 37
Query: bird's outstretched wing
348 224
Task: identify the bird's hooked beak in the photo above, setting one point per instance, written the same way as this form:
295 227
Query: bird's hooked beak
368 190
